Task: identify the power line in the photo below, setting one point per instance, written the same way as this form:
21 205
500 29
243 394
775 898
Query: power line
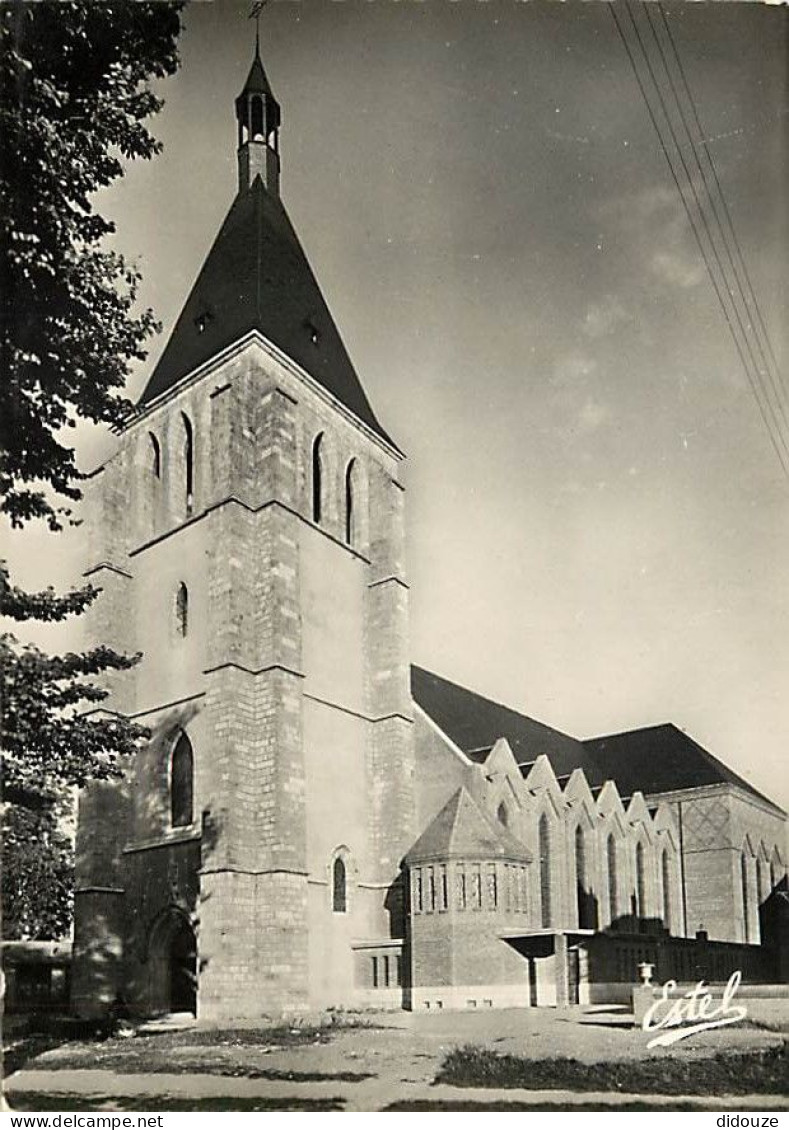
691 220
735 307
727 213
765 371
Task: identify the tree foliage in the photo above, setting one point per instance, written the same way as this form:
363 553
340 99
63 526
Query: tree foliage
38 873
75 95
74 98
55 737
55 733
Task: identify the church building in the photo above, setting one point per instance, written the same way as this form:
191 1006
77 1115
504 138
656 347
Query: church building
315 822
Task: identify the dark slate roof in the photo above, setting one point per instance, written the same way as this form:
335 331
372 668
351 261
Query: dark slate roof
256 277
659 759
461 830
655 759
475 724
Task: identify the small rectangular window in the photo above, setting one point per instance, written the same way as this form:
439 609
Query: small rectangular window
493 890
476 888
418 892
431 889
386 971
442 888
375 972
399 968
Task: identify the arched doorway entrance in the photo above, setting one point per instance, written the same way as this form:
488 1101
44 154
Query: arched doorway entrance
173 965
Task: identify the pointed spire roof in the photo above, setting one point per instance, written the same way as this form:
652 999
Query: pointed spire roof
256 277
257 82
461 830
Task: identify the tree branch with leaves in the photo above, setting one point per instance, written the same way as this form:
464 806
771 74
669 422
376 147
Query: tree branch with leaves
76 92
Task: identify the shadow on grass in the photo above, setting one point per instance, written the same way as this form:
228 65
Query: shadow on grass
757 1073
30 1101
299 1076
148 1052
35 1035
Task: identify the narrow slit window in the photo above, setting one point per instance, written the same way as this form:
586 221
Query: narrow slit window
544 836
476 881
317 479
155 455
641 883
188 463
581 893
746 931
339 886
613 902
350 501
665 875
182 610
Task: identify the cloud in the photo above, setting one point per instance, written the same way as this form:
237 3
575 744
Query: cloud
677 269
603 317
591 416
572 367
658 228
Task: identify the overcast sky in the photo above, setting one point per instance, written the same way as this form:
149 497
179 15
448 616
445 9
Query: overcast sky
598 524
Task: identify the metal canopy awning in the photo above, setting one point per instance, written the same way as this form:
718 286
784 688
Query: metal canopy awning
542 943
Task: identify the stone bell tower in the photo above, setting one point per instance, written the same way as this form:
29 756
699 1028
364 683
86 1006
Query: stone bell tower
249 536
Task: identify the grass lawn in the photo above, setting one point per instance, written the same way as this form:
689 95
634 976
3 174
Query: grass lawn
760 1072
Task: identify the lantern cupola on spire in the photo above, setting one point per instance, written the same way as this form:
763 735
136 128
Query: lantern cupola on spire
258 116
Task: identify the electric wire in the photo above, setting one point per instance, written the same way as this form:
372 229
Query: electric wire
727 213
692 222
716 254
764 369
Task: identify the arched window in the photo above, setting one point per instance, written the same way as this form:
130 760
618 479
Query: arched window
350 515
182 610
502 815
773 879
257 118
317 479
760 894
665 878
188 463
339 886
613 902
544 834
155 455
582 894
640 881
182 783
746 929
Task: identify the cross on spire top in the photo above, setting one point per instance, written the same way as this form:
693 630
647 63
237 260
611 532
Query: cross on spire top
255 10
